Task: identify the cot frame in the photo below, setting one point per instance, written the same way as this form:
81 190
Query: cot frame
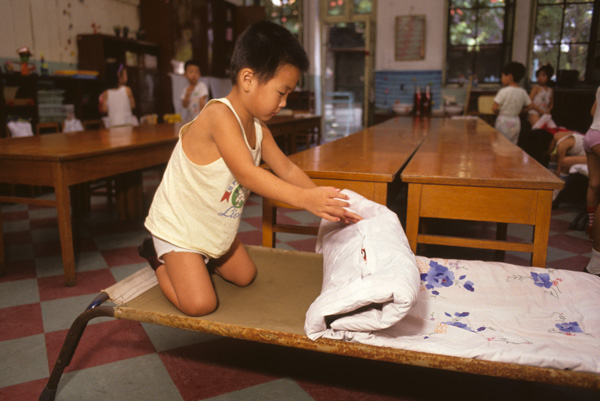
206 324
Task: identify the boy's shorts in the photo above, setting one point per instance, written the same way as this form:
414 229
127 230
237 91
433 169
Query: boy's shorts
591 139
164 247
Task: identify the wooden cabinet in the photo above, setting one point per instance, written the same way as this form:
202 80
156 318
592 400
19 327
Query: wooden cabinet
97 52
204 30
42 98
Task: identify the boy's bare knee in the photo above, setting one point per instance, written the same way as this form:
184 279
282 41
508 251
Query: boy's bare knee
199 306
246 277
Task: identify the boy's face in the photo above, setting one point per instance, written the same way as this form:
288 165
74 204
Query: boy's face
506 79
192 73
271 96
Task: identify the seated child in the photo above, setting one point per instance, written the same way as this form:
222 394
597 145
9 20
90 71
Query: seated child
510 101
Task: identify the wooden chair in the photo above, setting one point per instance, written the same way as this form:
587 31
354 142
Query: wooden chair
484 108
92 124
47 128
270 226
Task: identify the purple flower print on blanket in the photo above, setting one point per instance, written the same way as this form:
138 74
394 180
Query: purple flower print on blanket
565 327
487 332
545 281
439 276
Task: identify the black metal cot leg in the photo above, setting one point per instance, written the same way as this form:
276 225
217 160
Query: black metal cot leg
72 340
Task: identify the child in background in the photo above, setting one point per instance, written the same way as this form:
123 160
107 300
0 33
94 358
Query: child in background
195 95
591 144
118 100
541 95
196 212
568 144
510 101
71 124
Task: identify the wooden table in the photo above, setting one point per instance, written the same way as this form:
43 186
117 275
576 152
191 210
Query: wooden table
288 129
466 170
366 162
62 160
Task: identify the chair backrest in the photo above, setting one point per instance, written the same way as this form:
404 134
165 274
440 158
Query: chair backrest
47 128
92 124
484 104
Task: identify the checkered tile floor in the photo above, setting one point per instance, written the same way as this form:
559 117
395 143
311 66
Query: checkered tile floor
122 360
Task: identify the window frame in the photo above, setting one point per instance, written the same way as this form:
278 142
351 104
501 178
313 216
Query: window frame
505 48
593 41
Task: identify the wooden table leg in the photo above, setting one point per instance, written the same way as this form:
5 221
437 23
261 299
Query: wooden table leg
63 210
542 228
413 211
501 232
268 221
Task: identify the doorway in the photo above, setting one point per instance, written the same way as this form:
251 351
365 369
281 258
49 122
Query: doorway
345 70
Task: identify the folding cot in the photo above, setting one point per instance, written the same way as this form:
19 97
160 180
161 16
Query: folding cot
272 310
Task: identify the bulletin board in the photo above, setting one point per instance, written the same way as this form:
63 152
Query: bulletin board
410 37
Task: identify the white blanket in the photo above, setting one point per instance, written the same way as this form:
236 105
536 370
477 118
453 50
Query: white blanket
486 310
370 275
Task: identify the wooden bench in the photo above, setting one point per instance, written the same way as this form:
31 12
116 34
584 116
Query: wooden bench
466 170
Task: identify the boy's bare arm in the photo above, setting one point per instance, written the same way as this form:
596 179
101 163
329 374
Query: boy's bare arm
185 102
131 98
325 202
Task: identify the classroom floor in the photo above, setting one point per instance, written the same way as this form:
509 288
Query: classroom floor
123 360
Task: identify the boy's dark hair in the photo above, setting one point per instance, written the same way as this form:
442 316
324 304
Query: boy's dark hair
516 69
546 68
112 74
537 144
190 62
264 47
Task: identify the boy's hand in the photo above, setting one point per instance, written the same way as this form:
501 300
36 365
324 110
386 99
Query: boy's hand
329 203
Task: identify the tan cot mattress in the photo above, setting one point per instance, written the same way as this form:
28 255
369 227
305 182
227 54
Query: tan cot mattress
272 310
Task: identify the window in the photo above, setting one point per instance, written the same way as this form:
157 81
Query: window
287 13
479 39
563 36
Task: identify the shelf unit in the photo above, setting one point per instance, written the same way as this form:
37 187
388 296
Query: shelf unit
141 58
19 97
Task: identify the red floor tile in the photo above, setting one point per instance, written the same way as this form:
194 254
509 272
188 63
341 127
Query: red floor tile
21 321
19 270
574 263
28 391
217 367
47 248
121 256
48 222
307 245
91 282
14 216
569 243
254 221
102 343
18 237
251 237
559 226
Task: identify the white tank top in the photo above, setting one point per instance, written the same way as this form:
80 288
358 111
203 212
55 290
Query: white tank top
119 108
199 207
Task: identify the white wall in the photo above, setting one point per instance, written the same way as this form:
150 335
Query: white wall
51 27
388 10
435 34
